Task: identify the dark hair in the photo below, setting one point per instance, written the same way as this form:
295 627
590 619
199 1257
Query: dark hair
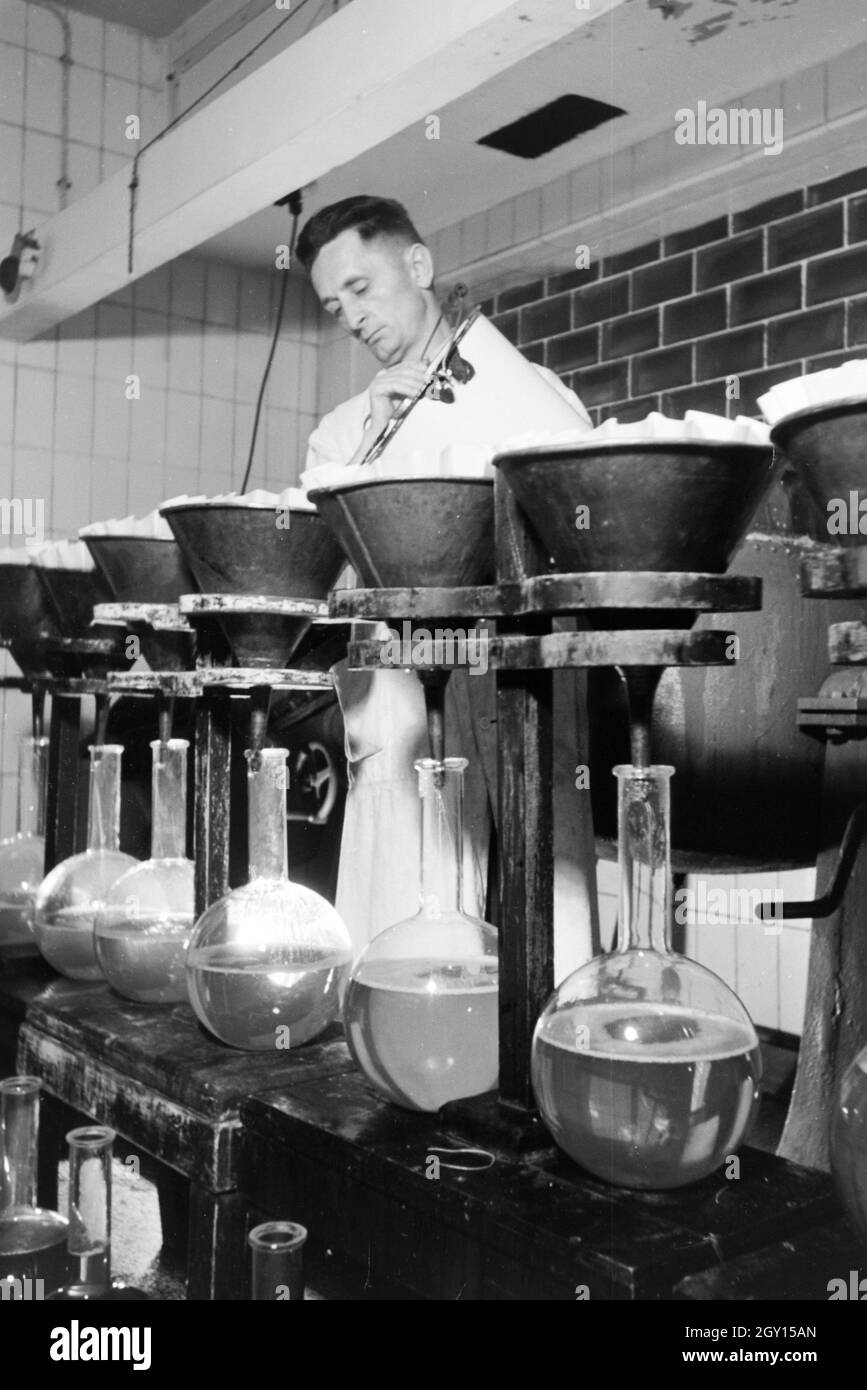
367 215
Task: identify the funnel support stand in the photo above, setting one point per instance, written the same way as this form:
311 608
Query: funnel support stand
213 750
61 809
523 654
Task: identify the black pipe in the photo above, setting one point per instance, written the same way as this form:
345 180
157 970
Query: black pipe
831 900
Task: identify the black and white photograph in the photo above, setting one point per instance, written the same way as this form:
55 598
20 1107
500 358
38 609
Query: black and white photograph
433 667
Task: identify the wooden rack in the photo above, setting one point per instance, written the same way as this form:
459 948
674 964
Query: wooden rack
524 653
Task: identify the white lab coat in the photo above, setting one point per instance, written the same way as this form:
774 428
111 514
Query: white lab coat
386 729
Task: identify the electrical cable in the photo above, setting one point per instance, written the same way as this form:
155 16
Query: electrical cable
294 203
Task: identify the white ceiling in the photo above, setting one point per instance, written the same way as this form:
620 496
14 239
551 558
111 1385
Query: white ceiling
156 18
714 50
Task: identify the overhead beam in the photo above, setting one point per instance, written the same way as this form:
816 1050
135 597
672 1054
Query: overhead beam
366 73
210 27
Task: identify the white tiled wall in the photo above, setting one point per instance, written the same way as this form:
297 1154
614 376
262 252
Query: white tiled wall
657 186
115 73
196 333
344 367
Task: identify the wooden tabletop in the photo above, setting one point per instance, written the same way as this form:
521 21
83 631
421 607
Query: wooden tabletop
358 1171
311 1141
152 1072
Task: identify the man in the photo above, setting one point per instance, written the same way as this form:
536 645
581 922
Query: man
374 274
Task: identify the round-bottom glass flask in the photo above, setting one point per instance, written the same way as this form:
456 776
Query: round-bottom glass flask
645 1065
32 1238
22 856
145 924
70 897
849 1142
421 1007
267 963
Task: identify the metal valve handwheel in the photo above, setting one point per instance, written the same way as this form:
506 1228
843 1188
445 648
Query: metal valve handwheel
313 775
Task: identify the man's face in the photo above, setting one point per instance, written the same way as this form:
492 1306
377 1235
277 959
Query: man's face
375 289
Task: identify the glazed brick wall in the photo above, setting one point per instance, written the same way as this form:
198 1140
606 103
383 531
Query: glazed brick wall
763 295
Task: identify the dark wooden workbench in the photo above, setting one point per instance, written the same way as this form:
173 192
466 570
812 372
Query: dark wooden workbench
170 1091
235 1137
22 978
531 1226
799 1268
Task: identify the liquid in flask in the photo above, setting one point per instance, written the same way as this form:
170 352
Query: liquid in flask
32 1238
71 896
267 963
22 855
421 1009
145 923
645 1065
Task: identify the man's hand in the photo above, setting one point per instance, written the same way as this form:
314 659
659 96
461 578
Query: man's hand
389 387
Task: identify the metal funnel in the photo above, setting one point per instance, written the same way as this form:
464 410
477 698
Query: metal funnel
242 550
24 608
141 569
27 624
260 630
72 595
166 650
827 445
85 648
414 532
261 641
655 505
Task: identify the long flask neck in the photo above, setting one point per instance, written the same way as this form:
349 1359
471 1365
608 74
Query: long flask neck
32 781
103 816
266 806
644 858
19 1141
441 788
89 1238
169 798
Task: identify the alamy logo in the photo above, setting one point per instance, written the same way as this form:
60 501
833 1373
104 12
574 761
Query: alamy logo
76 1343
739 125
855 1289
442 645
23 516
25 1290
847 516
715 907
